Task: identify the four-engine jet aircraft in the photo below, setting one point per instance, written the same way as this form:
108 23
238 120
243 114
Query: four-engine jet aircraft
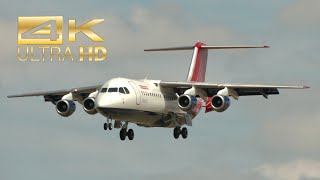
156 103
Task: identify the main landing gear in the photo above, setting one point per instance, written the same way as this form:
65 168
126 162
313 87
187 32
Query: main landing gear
124 133
177 131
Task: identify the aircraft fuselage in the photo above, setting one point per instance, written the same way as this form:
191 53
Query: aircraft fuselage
142 102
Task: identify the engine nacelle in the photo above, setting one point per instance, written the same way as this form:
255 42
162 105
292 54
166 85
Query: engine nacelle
187 102
65 107
220 103
89 105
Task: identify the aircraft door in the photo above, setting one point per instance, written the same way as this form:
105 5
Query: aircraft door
137 91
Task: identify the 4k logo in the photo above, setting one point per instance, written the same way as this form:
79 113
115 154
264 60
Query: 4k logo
43 38
48 30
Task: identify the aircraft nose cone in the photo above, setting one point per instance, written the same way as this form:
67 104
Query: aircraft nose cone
104 100
97 104
99 101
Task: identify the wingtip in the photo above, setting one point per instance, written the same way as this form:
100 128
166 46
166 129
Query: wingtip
306 87
11 96
266 46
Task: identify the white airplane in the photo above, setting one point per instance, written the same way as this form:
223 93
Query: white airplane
156 103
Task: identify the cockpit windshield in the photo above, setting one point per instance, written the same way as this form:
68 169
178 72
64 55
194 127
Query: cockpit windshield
113 89
122 90
103 90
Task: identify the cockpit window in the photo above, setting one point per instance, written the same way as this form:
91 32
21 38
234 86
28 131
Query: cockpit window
113 90
121 90
127 90
103 90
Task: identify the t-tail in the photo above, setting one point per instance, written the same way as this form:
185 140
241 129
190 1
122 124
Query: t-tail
198 65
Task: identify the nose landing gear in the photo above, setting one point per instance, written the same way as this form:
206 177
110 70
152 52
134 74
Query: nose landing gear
108 124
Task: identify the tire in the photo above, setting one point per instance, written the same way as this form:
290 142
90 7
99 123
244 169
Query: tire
130 134
110 126
176 132
123 134
184 133
105 126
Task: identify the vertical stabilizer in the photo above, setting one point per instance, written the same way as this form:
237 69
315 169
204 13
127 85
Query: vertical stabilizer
198 65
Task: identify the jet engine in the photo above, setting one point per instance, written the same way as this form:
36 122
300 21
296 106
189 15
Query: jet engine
220 103
65 107
187 102
89 105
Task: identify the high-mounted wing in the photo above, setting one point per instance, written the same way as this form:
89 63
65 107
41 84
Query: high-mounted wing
54 96
241 89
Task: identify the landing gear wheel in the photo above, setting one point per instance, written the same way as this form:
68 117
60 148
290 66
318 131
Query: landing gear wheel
184 133
176 132
110 126
105 126
123 134
130 134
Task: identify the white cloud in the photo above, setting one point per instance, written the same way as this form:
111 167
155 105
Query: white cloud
295 170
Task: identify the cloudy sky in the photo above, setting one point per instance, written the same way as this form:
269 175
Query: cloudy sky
274 139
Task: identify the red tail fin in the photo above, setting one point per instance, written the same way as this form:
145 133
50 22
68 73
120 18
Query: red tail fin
198 66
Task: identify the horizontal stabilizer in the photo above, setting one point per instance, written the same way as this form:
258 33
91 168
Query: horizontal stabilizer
205 47
172 48
232 47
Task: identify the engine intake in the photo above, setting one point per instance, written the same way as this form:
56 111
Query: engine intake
220 103
187 102
65 107
89 105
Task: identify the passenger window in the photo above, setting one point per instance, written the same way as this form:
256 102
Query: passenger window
126 90
103 90
121 90
113 90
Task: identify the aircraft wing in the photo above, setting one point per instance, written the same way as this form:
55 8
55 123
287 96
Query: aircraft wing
241 89
58 94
